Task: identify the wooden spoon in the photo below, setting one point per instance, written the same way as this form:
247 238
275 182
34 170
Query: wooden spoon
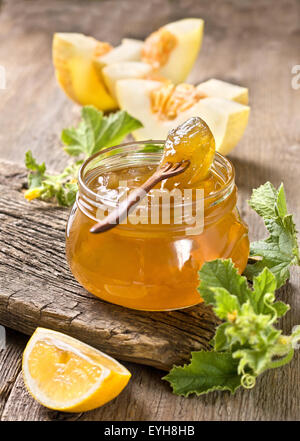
167 170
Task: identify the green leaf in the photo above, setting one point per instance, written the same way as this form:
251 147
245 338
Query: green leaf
257 360
32 164
281 308
222 274
263 200
96 131
281 202
37 171
280 250
118 126
264 283
225 303
207 371
220 339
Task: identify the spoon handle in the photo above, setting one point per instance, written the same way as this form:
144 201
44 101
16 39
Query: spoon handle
135 196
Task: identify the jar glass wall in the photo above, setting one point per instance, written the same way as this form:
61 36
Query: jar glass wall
150 266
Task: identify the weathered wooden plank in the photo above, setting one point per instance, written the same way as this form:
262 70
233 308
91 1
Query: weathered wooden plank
10 364
39 290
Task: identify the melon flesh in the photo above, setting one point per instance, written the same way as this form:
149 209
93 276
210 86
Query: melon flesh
188 33
226 119
128 50
222 89
124 70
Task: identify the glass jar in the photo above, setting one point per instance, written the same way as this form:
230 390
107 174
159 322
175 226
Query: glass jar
150 267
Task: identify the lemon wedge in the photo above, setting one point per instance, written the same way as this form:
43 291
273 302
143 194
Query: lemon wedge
65 374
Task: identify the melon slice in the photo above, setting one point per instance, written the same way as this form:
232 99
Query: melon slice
173 49
162 108
75 71
222 89
78 61
123 70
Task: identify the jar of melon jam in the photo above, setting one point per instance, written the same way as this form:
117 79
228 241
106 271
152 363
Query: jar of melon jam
150 266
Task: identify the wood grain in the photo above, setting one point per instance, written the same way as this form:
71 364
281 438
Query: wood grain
10 364
252 43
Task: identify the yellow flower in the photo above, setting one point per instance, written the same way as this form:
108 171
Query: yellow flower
32 194
231 316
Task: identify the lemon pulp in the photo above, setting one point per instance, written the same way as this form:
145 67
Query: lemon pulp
65 374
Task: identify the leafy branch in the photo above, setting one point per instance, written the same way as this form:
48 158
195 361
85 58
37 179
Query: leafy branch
93 133
248 341
280 250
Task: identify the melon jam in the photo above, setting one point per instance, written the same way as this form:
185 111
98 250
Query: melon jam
151 266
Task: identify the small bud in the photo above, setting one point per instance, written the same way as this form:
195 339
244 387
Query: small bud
231 316
284 340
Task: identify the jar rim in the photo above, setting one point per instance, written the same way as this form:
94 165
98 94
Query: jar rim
214 195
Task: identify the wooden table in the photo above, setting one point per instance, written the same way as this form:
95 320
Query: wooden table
252 43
